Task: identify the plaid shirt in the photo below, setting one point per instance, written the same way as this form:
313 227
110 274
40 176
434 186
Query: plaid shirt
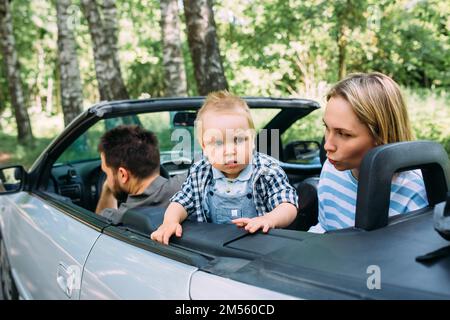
270 186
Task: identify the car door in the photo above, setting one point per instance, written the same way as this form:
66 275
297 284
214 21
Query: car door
117 268
47 247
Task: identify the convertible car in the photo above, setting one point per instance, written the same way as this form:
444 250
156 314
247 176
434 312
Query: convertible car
53 245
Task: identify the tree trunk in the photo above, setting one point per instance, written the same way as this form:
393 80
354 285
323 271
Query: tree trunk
109 11
24 133
173 61
107 68
70 82
203 46
342 52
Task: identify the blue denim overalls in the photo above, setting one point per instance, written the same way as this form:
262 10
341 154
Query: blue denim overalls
223 208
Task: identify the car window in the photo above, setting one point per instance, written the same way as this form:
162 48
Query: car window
261 117
85 147
176 142
301 141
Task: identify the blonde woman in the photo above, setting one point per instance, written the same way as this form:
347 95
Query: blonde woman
363 111
233 183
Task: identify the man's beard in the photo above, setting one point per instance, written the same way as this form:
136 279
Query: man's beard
118 192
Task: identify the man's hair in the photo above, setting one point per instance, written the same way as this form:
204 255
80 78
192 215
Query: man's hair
378 103
132 148
223 102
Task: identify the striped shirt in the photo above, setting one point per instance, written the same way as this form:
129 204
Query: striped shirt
337 197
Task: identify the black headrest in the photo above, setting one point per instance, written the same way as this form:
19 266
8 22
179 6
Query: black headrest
144 219
163 172
378 168
307 192
322 153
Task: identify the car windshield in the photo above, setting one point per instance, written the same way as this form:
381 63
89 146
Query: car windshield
177 139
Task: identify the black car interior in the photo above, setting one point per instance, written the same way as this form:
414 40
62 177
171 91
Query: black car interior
82 183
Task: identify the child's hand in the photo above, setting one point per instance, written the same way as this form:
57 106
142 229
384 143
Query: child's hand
165 231
254 224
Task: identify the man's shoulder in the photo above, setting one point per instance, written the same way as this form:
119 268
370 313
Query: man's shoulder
113 215
176 181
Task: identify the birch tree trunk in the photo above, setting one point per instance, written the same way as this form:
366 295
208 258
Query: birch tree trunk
107 67
69 71
203 45
24 133
173 61
342 51
109 11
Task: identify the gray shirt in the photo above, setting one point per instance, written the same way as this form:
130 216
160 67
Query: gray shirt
157 194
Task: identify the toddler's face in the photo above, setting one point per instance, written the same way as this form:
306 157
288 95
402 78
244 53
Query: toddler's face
227 142
347 139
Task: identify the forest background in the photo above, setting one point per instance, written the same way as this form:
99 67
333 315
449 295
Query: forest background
59 57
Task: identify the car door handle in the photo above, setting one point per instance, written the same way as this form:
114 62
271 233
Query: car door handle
68 278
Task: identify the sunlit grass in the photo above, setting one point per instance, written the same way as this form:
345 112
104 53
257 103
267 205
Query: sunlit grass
44 128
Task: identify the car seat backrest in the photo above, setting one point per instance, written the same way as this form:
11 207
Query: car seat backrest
322 153
308 206
163 172
378 168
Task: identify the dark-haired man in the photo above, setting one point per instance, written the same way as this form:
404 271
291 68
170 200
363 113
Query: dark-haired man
130 160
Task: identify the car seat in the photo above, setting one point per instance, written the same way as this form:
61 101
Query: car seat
308 203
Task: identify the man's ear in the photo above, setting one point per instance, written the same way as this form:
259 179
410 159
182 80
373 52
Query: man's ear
123 175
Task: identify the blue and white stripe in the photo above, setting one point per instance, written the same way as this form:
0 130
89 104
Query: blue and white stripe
337 197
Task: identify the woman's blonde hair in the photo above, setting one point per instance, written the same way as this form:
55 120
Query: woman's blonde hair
377 102
222 102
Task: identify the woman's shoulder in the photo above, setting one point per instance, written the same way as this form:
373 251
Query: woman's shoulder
412 179
330 177
329 170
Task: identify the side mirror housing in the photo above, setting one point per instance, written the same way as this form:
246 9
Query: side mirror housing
301 151
12 179
184 119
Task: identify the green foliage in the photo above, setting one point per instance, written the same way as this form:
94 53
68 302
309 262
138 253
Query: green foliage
269 48
13 153
412 44
430 114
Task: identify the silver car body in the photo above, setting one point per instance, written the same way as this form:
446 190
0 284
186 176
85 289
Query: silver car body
103 267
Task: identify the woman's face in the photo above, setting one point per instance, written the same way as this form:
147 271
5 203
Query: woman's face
347 139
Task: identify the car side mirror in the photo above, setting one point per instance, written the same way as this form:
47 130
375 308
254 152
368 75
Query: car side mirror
12 179
184 119
301 151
